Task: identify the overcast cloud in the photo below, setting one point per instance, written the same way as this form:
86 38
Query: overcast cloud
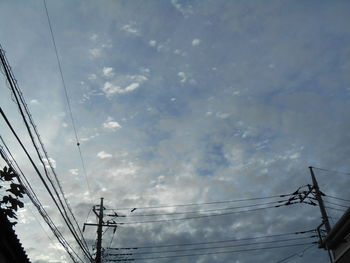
183 102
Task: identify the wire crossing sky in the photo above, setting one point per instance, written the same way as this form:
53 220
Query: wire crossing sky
180 102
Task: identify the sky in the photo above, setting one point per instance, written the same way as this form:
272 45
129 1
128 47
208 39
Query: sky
179 102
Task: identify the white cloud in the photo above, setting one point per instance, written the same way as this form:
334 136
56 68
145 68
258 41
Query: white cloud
179 52
111 89
108 71
137 78
221 115
110 124
93 37
130 29
183 77
186 78
132 82
74 171
86 139
131 87
95 52
145 70
34 102
49 161
196 42
92 76
152 43
185 10
64 125
104 155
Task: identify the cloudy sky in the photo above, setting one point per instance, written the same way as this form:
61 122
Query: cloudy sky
179 102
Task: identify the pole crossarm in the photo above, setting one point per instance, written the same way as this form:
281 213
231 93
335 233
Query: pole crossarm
98 211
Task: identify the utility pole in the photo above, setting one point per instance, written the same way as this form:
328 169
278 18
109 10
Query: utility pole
318 195
99 233
98 210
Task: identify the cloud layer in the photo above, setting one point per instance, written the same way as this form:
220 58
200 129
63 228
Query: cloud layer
181 102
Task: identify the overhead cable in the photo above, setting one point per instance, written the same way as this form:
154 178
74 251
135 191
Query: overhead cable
338 198
200 216
331 171
328 202
219 241
20 101
214 247
204 203
36 202
296 254
216 253
63 214
67 97
202 211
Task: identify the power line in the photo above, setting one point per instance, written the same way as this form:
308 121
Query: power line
67 96
32 196
215 247
338 198
63 213
219 241
18 96
336 204
205 203
333 208
197 217
296 254
203 211
20 101
331 171
218 252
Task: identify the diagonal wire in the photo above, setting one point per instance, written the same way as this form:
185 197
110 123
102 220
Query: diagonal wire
18 96
67 97
296 254
33 197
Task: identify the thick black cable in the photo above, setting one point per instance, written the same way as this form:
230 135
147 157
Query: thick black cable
205 203
45 184
67 96
219 241
67 219
219 252
36 202
215 247
19 96
35 167
15 91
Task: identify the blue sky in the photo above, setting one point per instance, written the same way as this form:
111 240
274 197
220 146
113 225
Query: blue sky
181 102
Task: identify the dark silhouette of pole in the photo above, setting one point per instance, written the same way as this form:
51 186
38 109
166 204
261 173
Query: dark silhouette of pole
318 196
99 234
100 224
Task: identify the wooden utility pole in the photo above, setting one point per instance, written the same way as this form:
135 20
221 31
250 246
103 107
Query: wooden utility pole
99 234
318 195
98 210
